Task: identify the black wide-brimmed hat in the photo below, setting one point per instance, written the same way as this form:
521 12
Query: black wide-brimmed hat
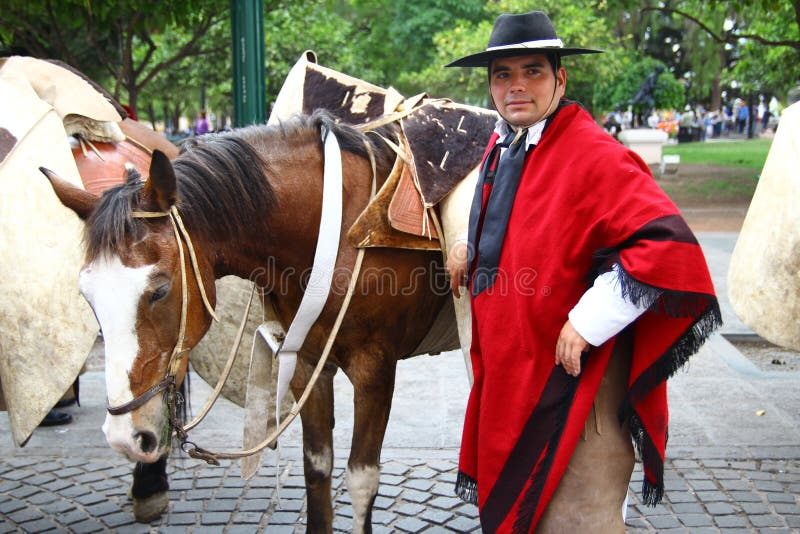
516 35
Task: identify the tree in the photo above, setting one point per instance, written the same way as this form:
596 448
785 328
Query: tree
396 37
688 53
374 40
189 85
148 52
765 63
759 39
579 23
747 20
628 74
463 85
111 41
293 27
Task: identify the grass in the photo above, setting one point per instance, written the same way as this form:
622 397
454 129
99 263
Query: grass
720 188
704 185
750 154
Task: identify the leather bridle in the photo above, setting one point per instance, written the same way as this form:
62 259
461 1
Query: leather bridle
169 382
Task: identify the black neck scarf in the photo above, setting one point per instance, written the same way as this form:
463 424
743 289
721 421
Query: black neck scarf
504 176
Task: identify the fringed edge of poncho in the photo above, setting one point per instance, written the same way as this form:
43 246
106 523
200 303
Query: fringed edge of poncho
466 488
673 304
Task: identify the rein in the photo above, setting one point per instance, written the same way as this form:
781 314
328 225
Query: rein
169 382
212 457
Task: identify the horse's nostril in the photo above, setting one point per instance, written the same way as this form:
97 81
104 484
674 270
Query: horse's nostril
147 441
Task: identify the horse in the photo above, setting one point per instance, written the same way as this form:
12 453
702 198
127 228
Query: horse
250 202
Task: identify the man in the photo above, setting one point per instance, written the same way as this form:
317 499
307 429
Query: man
587 291
742 115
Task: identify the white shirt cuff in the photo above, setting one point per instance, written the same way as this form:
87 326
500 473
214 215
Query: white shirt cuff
602 311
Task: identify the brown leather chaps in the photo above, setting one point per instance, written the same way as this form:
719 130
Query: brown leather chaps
590 495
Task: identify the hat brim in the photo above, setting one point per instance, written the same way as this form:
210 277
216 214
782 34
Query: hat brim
483 59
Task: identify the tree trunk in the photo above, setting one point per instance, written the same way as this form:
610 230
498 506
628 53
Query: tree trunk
133 99
169 127
151 113
128 75
176 118
716 85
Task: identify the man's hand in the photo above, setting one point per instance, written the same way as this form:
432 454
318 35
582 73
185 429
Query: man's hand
569 347
457 266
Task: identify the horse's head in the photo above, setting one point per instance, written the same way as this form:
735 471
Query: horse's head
140 282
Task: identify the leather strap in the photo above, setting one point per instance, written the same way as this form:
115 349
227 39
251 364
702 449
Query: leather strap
319 282
140 400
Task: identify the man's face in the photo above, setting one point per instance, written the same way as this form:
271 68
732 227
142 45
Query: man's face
524 87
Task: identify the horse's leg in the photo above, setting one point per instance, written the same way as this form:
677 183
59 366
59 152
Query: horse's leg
317 419
149 487
149 490
372 376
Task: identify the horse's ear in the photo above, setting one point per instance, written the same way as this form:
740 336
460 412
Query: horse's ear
80 201
160 187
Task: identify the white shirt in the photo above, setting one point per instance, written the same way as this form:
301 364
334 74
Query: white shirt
602 312
502 129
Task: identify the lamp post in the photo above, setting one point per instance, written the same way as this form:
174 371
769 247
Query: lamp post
249 87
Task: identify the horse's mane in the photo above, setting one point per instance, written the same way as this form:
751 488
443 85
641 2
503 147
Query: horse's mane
220 173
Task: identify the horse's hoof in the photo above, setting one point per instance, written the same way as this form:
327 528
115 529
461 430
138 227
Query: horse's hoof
149 508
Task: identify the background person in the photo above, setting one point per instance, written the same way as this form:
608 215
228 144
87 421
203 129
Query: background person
742 115
201 124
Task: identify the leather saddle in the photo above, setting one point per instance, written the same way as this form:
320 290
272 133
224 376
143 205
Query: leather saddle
441 143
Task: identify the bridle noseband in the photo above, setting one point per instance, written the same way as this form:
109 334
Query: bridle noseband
140 400
169 382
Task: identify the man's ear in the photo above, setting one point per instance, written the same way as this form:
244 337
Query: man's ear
561 76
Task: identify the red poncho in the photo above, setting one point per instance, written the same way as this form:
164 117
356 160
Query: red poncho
584 202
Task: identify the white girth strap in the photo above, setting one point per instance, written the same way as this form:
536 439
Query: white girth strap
319 283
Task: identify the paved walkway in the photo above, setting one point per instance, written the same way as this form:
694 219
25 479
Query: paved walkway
733 461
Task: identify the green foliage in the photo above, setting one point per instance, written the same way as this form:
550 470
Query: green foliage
111 42
375 40
179 90
395 37
292 28
579 23
715 45
768 69
462 85
172 52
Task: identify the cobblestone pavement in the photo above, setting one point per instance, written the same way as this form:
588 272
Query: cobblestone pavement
57 494
733 462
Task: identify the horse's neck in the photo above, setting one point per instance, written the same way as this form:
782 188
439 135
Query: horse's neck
274 248
277 249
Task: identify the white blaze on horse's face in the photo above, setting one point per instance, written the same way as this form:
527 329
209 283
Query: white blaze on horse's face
114 291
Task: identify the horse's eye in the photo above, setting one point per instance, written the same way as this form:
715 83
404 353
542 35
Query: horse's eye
159 293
